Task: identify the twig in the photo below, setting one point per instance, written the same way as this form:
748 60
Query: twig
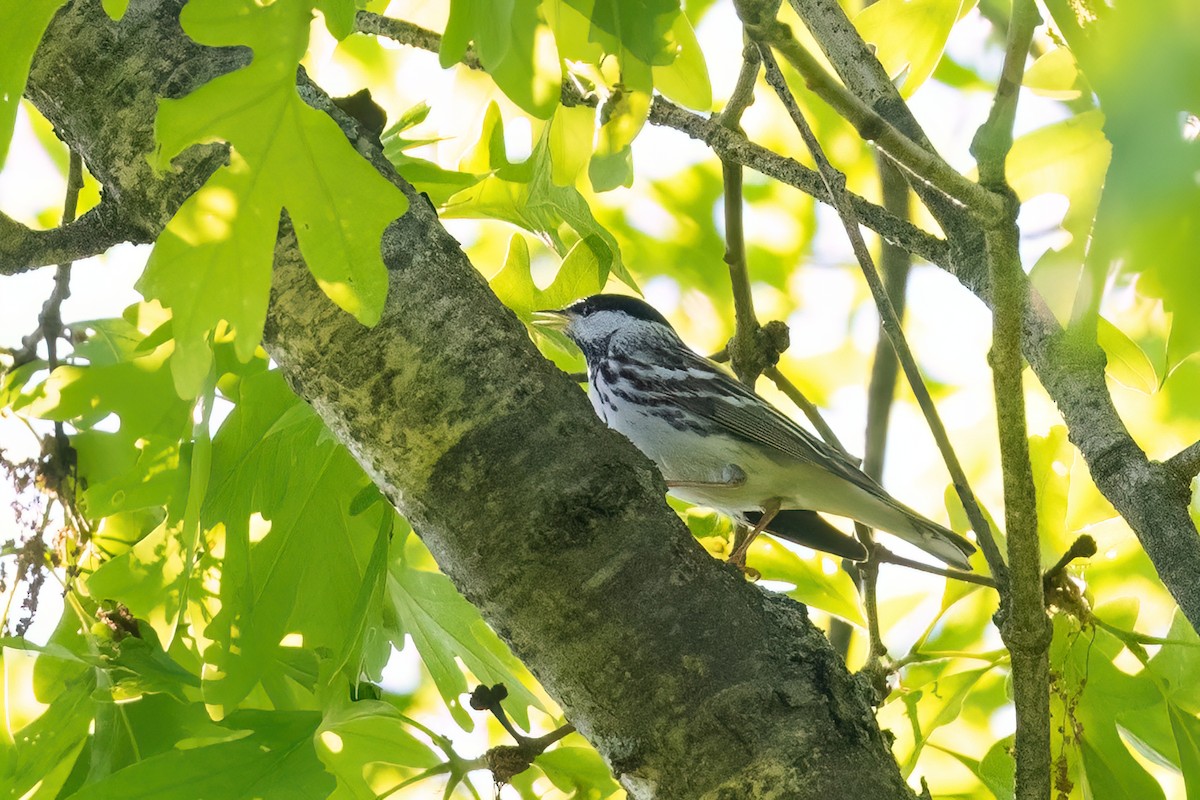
885 556
1024 626
50 320
890 321
807 406
1186 463
507 761
23 249
745 354
1083 547
881 391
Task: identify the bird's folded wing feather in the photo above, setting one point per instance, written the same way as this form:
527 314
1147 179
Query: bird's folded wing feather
745 415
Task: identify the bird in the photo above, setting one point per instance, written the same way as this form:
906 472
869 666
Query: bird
720 445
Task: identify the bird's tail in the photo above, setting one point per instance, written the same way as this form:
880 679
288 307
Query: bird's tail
811 530
938 541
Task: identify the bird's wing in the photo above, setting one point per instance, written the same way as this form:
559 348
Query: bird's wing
743 414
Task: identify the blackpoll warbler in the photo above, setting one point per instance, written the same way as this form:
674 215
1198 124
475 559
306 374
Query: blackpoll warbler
719 445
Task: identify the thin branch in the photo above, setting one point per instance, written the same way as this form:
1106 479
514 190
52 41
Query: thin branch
835 183
881 391
923 164
885 556
807 406
746 355
507 761
1024 626
1083 547
50 320
23 249
1186 463
727 144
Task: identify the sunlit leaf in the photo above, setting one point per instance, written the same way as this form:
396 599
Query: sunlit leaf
445 627
525 195
1067 158
44 750
1127 363
1146 223
213 262
578 770
818 581
1055 75
1050 460
369 733
914 715
282 490
274 758
507 37
685 80
909 35
21 29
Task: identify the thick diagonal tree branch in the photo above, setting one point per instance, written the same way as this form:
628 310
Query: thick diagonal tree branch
692 682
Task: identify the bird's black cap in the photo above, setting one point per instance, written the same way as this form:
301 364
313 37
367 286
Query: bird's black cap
632 306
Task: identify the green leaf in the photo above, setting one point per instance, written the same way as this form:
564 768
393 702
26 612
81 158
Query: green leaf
526 195
579 276
1146 224
115 8
1094 696
274 758
910 35
369 733
996 771
213 261
1127 362
578 770
513 47
641 27
149 578
42 752
295 556
21 28
138 666
1050 458
445 628
1187 738
913 715
572 130
1068 158
1055 75
339 16
685 80
1178 662
830 590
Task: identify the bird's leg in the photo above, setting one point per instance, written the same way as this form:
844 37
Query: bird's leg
732 477
738 556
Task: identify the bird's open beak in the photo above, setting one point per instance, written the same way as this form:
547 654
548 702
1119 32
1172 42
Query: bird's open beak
551 320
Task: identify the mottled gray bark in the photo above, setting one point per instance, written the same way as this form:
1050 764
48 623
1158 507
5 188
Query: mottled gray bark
691 682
